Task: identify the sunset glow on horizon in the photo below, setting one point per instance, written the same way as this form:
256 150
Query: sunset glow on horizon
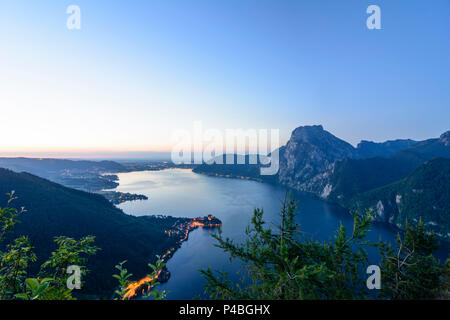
131 77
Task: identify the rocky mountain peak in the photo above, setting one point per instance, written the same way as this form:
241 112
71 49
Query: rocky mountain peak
445 138
317 137
309 152
308 134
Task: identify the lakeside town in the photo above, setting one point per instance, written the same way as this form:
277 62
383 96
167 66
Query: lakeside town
117 197
180 231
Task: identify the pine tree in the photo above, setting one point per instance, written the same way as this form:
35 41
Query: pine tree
286 265
409 270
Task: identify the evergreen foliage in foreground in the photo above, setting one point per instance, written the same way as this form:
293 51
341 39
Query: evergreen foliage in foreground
410 271
283 264
51 282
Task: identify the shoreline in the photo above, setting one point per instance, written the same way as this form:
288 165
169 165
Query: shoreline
180 231
394 228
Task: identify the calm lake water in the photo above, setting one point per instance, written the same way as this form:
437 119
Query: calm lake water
182 193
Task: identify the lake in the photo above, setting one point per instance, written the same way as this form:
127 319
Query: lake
182 193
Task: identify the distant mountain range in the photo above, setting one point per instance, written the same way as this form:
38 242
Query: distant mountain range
369 149
80 174
42 167
315 161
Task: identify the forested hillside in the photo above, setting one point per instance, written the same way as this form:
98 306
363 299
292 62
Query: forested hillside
54 210
423 194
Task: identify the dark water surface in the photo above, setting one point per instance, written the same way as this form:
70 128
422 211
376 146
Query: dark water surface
182 193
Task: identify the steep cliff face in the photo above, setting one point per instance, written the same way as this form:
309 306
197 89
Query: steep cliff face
316 161
308 158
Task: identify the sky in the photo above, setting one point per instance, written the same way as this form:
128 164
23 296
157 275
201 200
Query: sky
137 71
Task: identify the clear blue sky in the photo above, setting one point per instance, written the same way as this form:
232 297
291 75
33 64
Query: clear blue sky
137 70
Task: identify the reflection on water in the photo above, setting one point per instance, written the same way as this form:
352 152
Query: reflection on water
182 193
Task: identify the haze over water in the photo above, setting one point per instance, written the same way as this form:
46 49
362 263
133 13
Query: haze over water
182 193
